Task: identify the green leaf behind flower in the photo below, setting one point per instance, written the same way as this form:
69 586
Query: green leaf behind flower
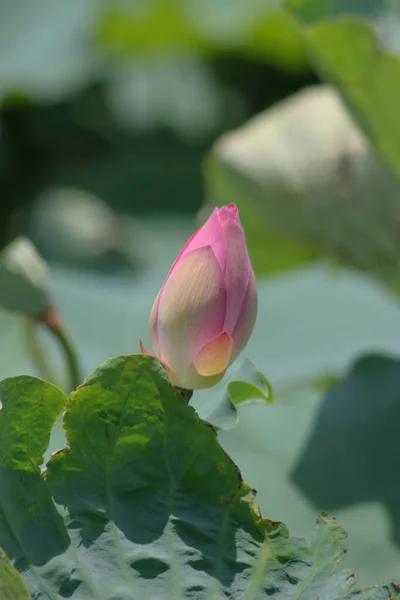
242 385
302 173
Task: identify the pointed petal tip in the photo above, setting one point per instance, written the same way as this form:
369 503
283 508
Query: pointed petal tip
228 212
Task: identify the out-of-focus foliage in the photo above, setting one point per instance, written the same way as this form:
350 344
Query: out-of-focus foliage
350 456
356 45
255 27
45 48
49 49
309 184
82 109
77 228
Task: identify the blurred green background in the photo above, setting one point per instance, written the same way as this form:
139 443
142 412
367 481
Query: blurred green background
124 99
123 122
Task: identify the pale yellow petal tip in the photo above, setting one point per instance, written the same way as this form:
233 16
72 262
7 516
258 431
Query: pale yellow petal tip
214 357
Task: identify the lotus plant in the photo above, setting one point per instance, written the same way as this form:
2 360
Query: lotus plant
204 314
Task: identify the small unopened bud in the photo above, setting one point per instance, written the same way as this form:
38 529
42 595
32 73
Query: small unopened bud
204 313
24 279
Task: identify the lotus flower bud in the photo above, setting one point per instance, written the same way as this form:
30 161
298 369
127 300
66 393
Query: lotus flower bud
204 314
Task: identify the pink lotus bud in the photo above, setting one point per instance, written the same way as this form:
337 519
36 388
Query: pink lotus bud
205 312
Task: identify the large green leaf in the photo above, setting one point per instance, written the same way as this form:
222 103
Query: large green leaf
148 503
355 45
31 529
12 586
302 174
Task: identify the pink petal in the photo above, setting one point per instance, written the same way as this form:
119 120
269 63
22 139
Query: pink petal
236 274
154 327
214 356
210 234
247 318
228 213
183 251
191 309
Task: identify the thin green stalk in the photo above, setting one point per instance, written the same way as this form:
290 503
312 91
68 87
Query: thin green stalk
52 320
37 352
71 358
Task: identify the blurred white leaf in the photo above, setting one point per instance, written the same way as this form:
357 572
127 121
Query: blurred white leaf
173 91
45 48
